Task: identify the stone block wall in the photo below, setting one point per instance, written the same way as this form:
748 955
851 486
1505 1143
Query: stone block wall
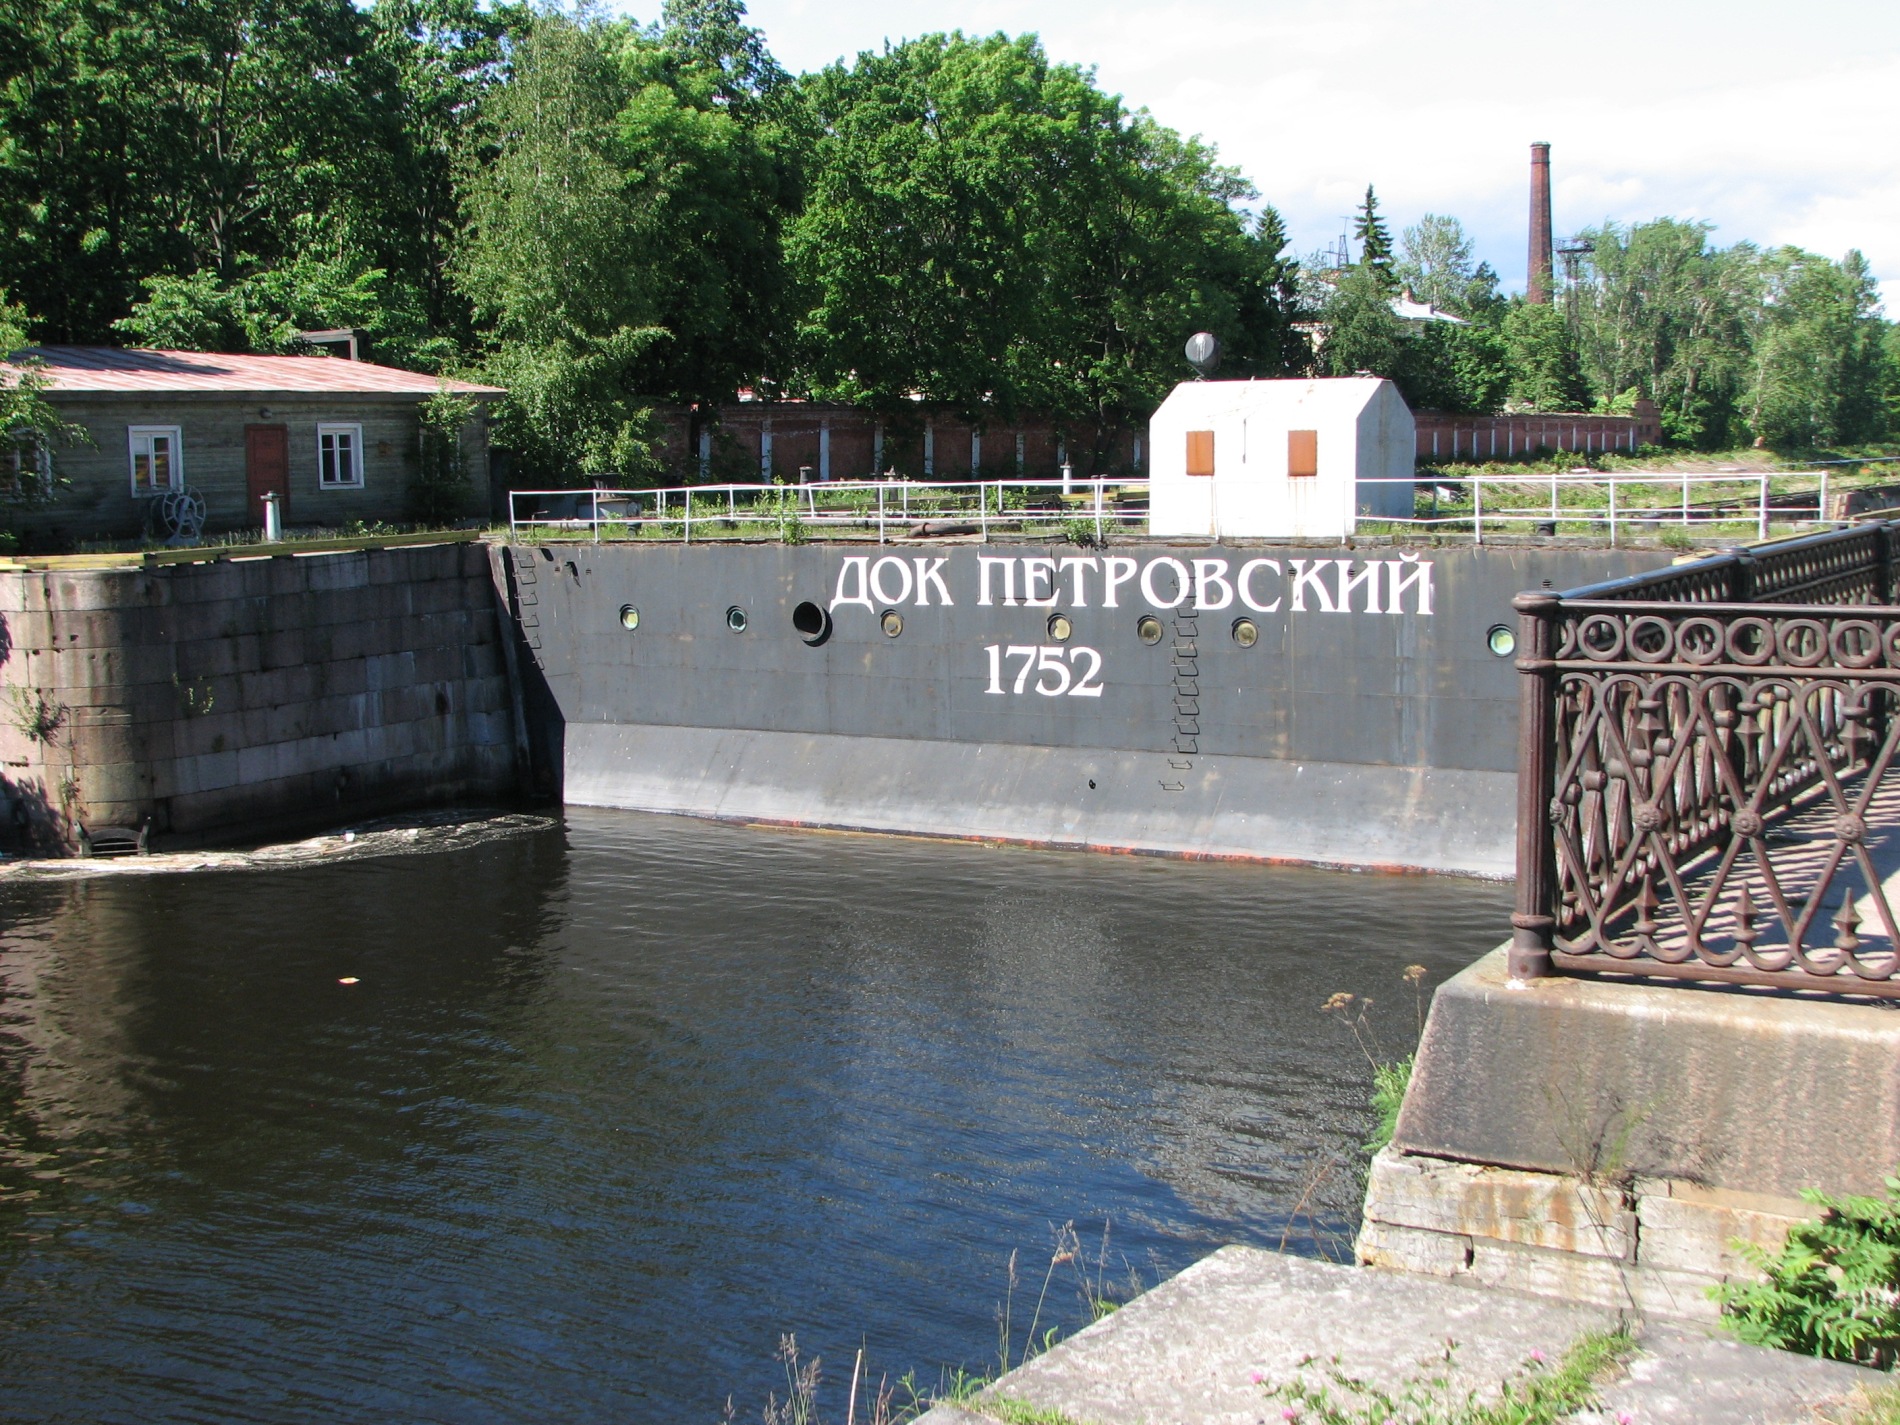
1654 1245
232 697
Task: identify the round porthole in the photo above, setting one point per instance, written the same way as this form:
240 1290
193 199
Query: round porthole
1246 632
812 623
892 622
736 619
1148 629
629 617
1500 640
1060 629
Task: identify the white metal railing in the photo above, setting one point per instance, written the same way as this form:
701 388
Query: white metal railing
1605 504
888 506
1601 502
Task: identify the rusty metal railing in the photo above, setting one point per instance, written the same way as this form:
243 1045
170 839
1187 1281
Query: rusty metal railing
1707 786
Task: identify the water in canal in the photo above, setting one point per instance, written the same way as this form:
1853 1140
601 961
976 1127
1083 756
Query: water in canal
613 1106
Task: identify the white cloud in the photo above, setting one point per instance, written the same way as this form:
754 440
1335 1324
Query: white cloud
1772 122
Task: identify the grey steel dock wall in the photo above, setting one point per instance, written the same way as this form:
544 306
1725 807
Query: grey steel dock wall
1368 724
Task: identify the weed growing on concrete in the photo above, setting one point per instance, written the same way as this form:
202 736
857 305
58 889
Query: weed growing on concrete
1833 1289
1390 1077
1011 1411
1082 533
781 509
35 716
1539 1394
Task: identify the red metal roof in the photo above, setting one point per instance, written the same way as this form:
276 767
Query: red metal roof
108 368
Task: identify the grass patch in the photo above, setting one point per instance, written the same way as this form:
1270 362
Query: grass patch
1880 1406
1018 1412
1540 1393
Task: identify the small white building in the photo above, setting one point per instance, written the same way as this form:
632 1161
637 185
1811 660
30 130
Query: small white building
1300 458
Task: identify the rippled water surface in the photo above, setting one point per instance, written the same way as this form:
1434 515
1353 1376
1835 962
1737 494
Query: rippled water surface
613 1106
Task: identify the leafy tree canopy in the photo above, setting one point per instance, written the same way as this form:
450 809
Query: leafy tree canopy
989 230
603 214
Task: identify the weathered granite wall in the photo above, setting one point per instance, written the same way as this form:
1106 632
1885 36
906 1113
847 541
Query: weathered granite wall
234 697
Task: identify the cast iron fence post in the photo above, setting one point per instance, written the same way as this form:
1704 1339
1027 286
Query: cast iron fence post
1534 921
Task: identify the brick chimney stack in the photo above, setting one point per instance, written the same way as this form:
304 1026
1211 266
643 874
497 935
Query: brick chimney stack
1539 286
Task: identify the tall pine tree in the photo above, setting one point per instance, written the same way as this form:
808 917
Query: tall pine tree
1375 243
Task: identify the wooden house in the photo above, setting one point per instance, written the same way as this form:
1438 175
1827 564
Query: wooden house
337 441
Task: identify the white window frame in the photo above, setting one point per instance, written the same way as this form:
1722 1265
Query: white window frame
355 432
176 475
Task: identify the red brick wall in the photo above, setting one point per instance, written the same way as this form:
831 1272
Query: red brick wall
1444 437
739 429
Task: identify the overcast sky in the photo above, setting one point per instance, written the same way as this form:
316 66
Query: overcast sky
1775 121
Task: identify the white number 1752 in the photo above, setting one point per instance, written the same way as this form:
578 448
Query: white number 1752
1052 672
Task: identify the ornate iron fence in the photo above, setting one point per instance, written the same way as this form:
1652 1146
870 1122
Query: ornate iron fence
1707 786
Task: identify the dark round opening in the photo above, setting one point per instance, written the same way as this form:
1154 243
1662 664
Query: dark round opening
892 622
1246 632
736 619
1148 629
1060 629
629 617
812 623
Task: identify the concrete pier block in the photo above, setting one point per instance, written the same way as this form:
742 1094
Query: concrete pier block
1721 1087
1613 1142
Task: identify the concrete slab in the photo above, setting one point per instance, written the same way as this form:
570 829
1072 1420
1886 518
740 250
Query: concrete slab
1196 1347
1685 1377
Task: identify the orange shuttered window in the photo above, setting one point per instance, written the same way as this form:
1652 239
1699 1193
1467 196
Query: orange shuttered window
1200 452
1302 452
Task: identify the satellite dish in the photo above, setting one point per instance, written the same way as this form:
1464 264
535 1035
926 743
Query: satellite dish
1203 352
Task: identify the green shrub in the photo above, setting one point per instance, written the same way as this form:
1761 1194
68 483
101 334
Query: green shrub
1832 1290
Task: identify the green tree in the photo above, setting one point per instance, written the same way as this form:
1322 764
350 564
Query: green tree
1662 313
990 232
1362 333
1269 339
707 137
555 223
711 36
230 137
1375 242
31 430
1461 369
1541 359
1817 373
264 311
1436 265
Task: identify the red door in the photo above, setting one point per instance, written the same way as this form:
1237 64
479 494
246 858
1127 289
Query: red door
266 468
